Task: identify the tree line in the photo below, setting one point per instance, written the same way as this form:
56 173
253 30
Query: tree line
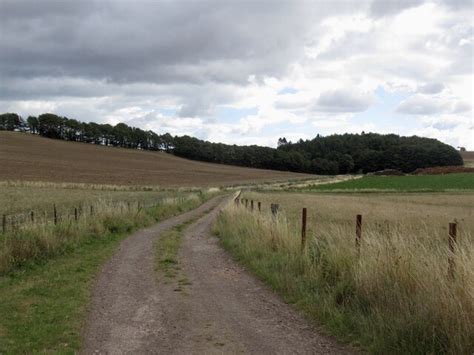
334 154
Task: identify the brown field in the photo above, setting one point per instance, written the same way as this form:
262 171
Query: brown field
468 158
25 157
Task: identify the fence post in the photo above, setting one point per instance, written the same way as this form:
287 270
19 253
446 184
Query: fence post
75 214
246 203
259 206
274 207
4 223
358 232
303 229
92 210
55 214
251 205
32 216
452 249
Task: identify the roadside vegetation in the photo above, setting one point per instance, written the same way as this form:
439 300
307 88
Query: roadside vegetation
409 183
46 271
396 296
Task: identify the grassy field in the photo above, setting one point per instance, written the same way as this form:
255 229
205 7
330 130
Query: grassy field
28 157
410 183
393 297
47 271
21 197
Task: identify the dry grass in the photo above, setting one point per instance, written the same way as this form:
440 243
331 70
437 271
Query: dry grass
396 297
39 240
16 198
31 158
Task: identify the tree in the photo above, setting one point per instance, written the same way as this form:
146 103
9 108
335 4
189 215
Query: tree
33 124
10 122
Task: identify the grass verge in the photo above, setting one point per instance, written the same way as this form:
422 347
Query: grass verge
43 300
394 298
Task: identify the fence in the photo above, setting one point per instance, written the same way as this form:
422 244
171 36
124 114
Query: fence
274 208
55 215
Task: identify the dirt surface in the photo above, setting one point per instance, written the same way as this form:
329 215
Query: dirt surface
27 157
213 306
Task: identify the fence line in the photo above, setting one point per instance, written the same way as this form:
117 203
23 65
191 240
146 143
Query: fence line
274 208
14 221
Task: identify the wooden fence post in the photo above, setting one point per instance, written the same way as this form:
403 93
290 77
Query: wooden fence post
251 205
4 224
55 214
303 229
358 232
452 249
274 207
259 206
32 216
92 210
75 214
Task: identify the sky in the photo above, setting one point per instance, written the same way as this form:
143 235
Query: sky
244 72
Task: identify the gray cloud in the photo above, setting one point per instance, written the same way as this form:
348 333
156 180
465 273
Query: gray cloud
163 42
431 88
390 7
342 101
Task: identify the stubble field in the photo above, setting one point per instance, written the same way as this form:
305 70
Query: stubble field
27 157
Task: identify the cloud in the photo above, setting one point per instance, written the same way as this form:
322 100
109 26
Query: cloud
305 67
429 105
160 42
391 7
342 101
419 105
431 88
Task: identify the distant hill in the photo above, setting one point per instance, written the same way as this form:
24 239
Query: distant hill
330 155
33 158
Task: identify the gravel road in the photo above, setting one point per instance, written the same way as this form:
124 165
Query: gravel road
213 306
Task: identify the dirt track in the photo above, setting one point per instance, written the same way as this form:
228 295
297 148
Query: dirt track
220 308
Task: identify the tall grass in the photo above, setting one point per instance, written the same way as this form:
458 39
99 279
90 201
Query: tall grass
395 297
33 242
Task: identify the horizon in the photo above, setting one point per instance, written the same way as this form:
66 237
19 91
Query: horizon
245 72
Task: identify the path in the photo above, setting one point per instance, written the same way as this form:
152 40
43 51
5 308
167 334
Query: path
212 306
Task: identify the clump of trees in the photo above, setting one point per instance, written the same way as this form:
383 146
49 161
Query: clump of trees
57 127
335 154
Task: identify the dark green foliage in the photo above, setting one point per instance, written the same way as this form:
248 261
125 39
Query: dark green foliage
11 122
335 154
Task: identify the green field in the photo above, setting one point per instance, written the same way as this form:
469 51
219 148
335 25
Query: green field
410 183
